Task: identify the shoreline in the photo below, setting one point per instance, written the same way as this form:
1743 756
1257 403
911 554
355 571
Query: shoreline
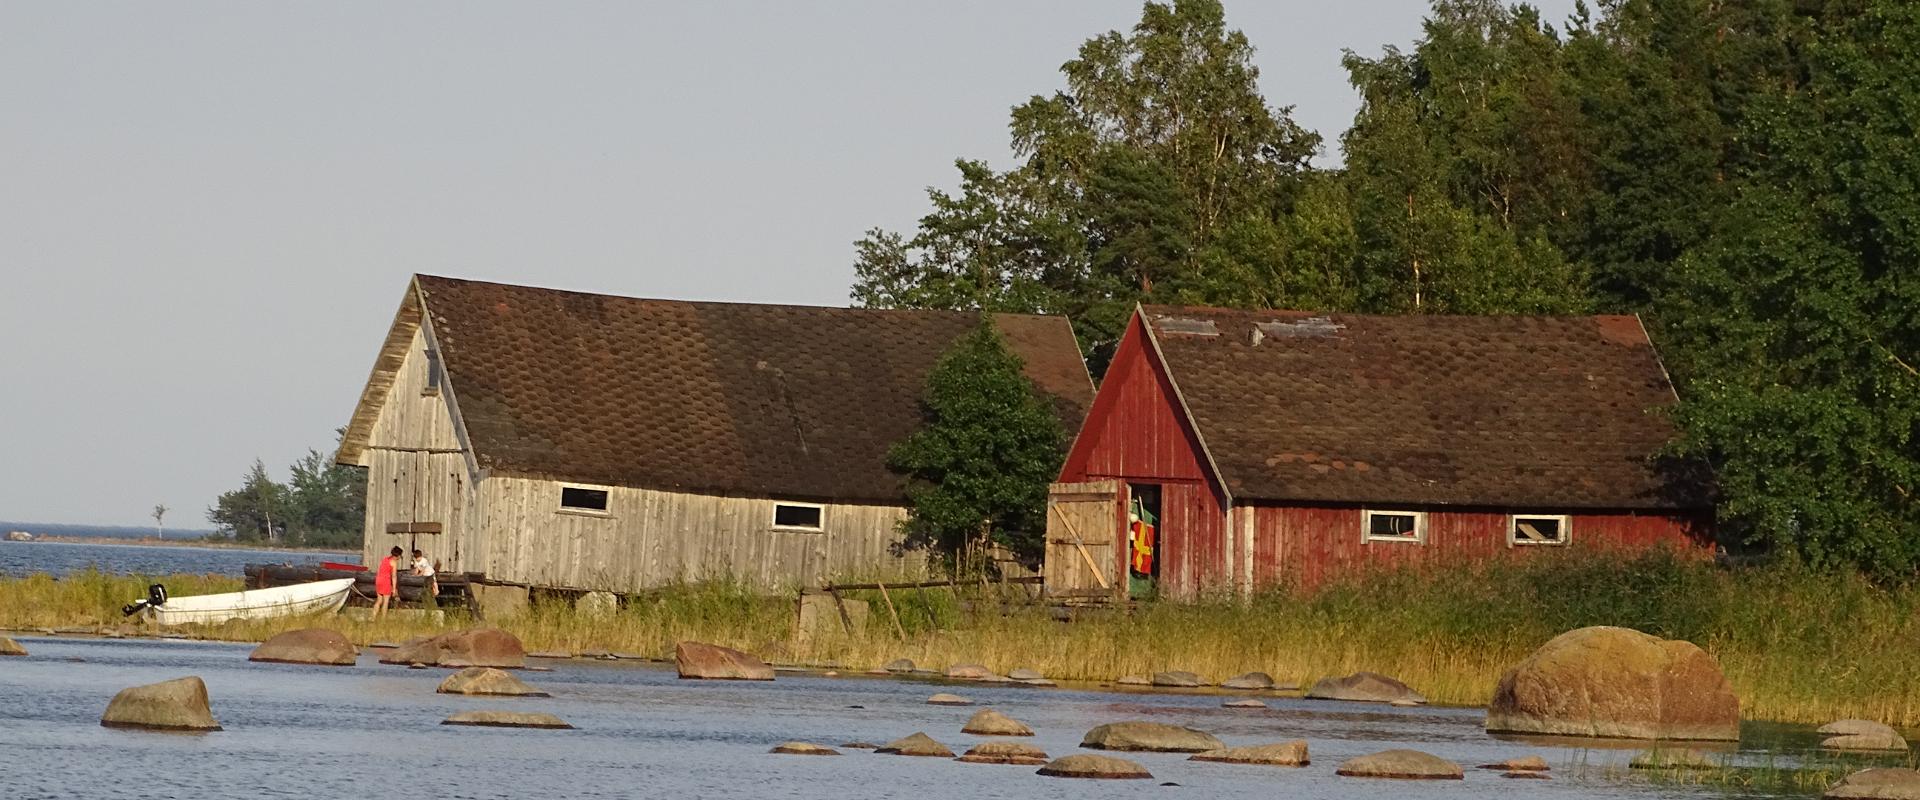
148 541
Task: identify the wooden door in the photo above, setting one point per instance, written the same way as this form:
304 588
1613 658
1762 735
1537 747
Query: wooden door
1081 554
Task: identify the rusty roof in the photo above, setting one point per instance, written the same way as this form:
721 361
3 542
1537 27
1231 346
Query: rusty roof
1503 411
721 398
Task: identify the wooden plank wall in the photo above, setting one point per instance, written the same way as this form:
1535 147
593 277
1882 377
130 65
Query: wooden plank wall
1311 544
651 538
416 472
1081 539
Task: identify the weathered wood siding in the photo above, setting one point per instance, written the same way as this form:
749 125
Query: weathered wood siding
1307 545
651 538
418 472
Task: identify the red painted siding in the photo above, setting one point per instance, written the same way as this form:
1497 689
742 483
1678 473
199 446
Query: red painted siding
1310 544
1137 433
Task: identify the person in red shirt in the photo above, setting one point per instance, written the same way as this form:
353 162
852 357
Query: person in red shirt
386 582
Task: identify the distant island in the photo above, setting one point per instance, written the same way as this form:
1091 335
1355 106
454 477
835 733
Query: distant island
72 533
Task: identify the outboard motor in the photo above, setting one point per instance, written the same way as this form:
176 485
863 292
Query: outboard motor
156 596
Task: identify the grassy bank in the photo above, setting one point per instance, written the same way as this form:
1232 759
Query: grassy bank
1798 646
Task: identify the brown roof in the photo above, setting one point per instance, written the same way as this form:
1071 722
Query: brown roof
725 398
1535 412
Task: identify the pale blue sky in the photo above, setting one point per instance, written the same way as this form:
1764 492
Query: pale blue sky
208 210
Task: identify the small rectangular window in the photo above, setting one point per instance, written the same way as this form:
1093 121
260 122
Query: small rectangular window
578 498
1395 526
1539 529
798 516
433 374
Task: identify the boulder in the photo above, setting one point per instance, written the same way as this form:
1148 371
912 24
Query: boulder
1251 681
307 646
1855 727
1618 683
9 647
899 665
1401 764
1246 702
1281 754
176 705
1178 679
1024 675
988 722
1884 783
1086 765
596 605
713 662
918 744
1004 753
1522 764
944 699
969 672
1134 680
860 745
1865 743
477 647
487 681
1157 737
1527 774
1364 687
1675 759
803 749
507 719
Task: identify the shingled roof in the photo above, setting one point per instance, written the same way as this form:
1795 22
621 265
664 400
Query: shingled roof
1508 411
722 398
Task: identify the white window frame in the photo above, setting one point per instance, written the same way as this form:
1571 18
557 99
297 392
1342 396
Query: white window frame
774 521
1513 530
563 508
1419 526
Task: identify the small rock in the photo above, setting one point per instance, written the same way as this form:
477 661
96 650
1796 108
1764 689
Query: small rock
899 665
1158 737
1527 773
944 699
830 674
1283 754
9 647
630 657
1855 727
1402 765
1674 759
803 749
1085 765
1866 743
507 719
553 654
969 672
1246 702
988 722
918 744
1522 764
487 681
1365 687
1883 783
1402 703
859 746
307 646
416 665
1005 753
176 705
1251 681
713 662
1024 675
384 645
1178 679
1134 680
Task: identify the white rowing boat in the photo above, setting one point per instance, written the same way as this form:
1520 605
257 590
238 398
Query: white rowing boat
318 597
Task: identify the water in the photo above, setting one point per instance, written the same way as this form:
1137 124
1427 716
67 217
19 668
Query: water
61 558
324 732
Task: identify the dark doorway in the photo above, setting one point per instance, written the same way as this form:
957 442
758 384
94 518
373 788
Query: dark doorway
1145 544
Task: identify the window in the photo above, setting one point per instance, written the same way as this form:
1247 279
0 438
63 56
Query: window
1539 529
1395 526
580 498
798 517
432 388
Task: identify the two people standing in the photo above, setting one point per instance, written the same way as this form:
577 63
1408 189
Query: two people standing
386 579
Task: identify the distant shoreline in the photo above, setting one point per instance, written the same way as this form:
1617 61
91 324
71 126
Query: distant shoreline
149 541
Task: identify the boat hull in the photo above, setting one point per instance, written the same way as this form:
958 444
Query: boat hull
318 597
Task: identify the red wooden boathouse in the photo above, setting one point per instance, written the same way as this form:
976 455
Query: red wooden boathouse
1263 446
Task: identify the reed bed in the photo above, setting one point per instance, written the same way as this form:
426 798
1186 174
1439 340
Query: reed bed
1798 646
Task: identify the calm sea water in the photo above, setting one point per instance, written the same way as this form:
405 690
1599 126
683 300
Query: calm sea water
60 558
372 730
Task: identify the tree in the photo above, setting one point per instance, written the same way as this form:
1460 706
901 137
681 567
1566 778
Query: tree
989 447
159 513
248 513
327 502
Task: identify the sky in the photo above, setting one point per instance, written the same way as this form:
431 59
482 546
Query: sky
209 210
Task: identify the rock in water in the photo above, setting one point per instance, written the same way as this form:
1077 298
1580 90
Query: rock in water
1134 680
1864 736
803 749
507 719
860 745
1364 687
477 647
1024 675
176 705
1618 683
969 672
1252 681
713 662
9 647
487 681
1401 764
1005 753
1855 727
1178 679
1156 737
1884 783
944 699
307 646
918 744
1283 754
1087 765
1522 764
1243 703
988 722
899 665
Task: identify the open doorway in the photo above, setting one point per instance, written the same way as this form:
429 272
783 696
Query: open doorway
1143 540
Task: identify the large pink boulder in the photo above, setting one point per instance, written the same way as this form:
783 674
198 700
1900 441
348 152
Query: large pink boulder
1618 683
307 646
477 647
713 662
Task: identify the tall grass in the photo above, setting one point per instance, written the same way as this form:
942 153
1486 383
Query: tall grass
1798 646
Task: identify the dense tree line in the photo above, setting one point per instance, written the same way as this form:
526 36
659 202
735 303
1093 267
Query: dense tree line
322 504
1745 175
